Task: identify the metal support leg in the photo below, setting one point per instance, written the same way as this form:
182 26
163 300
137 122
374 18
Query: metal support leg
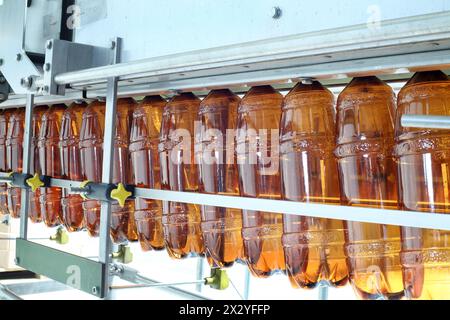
323 291
247 285
108 167
199 274
27 136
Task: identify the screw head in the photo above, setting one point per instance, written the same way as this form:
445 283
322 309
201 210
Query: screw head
19 57
26 82
94 290
277 13
47 67
49 45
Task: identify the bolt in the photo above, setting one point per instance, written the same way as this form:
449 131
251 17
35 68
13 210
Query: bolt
94 290
307 81
19 57
47 67
26 82
277 13
49 45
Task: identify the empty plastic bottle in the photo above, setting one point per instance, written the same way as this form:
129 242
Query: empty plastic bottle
182 229
91 151
368 177
144 140
259 177
50 164
424 172
218 174
14 158
35 207
69 143
314 248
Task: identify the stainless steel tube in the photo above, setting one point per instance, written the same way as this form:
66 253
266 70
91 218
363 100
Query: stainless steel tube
428 122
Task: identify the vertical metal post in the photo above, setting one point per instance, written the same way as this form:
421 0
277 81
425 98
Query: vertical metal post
200 274
247 285
27 136
323 290
108 167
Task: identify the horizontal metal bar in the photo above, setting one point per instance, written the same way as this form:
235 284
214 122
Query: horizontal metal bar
428 122
158 285
7 294
133 276
65 184
368 215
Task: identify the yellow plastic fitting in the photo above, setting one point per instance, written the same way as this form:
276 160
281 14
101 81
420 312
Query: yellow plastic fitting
61 237
121 194
35 183
124 255
219 279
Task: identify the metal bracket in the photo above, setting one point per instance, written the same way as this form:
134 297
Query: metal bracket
4 88
76 272
15 65
65 56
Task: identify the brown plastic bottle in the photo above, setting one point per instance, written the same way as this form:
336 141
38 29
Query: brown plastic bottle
35 207
4 119
50 164
182 229
314 248
368 175
424 166
69 143
91 151
144 140
259 177
91 157
14 158
218 174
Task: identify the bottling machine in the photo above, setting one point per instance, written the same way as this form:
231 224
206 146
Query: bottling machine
62 51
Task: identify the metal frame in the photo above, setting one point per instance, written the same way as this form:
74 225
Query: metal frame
399 48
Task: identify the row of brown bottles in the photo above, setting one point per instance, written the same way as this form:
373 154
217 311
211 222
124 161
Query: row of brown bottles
367 159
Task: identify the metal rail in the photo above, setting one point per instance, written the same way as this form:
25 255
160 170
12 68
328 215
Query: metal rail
369 215
425 121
